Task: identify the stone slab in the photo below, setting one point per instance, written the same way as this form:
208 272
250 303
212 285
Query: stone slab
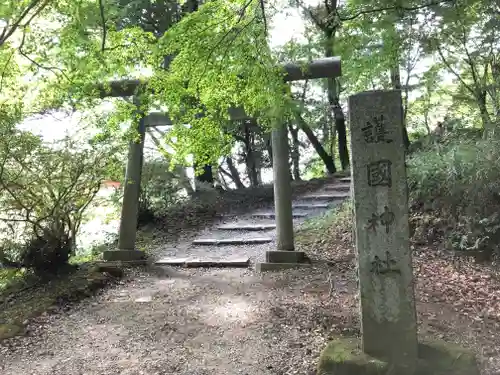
380 200
247 227
338 187
124 255
344 356
345 179
232 241
280 256
192 262
272 215
144 299
328 196
311 206
266 266
171 261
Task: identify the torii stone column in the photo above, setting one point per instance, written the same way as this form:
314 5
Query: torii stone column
320 68
285 255
128 221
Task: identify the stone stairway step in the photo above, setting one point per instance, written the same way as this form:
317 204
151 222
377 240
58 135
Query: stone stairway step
231 241
338 187
272 215
311 206
204 262
345 179
247 227
328 196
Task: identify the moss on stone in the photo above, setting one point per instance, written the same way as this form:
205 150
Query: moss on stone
10 330
444 358
344 356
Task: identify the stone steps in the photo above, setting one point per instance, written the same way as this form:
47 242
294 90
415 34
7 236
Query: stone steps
338 187
191 262
311 206
327 196
232 241
247 227
272 215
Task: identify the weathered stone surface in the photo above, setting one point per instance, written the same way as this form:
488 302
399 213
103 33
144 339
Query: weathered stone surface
338 187
282 188
327 196
345 179
124 255
285 256
188 262
345 357
265 266
232 241
311 206
240 262
272 215
144 299
171 261
388 317
247 227
130 206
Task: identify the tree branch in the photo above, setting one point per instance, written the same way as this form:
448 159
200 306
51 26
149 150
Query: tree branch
103 21
453 71
7 33
394 7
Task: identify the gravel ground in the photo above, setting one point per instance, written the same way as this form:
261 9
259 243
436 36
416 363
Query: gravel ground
233 321
217 321
191 321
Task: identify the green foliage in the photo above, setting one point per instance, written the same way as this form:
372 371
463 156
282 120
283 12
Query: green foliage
44 194
160 190
9 276
339 216
459 182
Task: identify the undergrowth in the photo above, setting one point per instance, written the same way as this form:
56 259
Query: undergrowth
454 195
454 199
329 235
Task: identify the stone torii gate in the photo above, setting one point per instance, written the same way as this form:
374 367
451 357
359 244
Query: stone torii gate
320 68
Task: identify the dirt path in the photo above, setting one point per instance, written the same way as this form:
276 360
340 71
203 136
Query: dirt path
189 322
234 321
185 321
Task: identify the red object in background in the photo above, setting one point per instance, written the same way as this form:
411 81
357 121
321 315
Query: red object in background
109 184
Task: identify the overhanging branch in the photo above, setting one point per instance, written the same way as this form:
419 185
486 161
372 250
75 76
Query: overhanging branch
320 68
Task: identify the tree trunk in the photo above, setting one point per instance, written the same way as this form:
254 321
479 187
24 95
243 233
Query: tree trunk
207 174
250 157
334 101
489 129
396 85
295 152
327 159
234 173
269 147
222 179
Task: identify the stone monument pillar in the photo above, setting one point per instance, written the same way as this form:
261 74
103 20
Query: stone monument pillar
388 316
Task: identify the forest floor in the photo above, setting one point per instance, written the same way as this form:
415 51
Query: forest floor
163 320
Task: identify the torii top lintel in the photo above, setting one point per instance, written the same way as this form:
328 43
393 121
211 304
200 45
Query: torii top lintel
328 67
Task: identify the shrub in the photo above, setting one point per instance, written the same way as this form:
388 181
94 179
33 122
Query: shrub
459 182
44 193
160 190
